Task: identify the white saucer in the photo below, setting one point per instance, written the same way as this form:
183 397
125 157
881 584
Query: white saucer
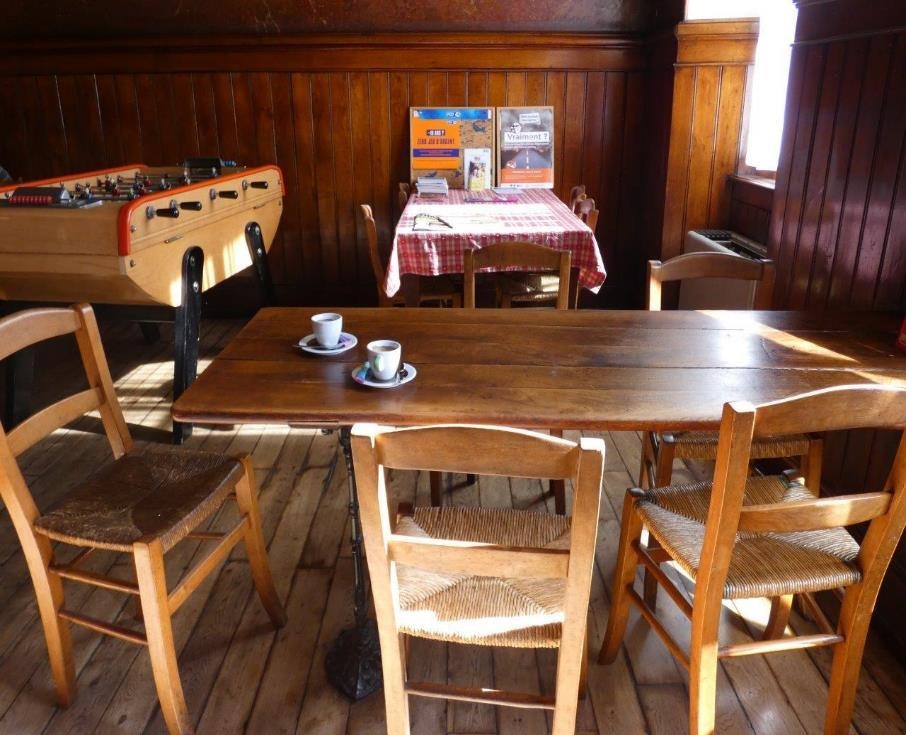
310 345
406 374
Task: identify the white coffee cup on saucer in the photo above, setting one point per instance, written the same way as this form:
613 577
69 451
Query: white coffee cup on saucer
327 328
384 358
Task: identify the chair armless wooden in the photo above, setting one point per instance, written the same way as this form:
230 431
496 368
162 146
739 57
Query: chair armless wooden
743 536
434 289
660 449
529 256
403 192
433 574
142 504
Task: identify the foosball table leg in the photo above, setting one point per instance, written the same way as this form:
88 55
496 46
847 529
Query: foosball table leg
185 333
255 240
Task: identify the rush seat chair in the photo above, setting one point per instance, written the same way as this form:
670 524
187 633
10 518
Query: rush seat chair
436 572
743 537
142 504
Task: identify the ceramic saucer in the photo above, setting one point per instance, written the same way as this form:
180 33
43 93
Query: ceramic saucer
362 375
310 344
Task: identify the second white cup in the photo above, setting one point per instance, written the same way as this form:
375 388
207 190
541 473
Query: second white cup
384 358
327 328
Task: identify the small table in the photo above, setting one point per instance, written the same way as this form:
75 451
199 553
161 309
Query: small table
479 219
596 370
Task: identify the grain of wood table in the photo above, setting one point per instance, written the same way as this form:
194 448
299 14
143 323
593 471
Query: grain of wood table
595 370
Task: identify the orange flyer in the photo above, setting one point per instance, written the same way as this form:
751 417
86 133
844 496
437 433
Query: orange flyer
435 142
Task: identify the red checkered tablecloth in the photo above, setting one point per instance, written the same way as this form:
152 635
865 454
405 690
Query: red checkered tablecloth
536 216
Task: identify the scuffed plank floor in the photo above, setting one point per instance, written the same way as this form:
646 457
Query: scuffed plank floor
240 675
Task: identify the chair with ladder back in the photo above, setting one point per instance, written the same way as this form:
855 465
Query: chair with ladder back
143 504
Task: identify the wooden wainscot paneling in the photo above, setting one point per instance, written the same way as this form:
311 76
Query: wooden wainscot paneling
332 111
838 225
751 199
711 84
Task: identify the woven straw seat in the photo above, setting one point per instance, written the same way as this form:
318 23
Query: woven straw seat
762 565
703 445
490 611
161 493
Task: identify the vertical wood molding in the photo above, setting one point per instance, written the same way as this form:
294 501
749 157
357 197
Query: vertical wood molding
711 85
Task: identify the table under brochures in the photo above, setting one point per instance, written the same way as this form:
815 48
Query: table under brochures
462 219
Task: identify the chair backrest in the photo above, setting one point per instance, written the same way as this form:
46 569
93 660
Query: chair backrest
711 265
24 329
527 256
831 409
485 450
374 253
576 194
402 195
586 211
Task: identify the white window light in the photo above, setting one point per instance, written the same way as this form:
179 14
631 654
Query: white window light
772 64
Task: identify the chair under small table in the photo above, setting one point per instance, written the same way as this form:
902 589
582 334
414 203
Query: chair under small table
435 572
142 504
439 289
744 537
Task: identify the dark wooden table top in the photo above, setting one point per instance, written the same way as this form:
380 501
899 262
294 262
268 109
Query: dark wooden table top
585 369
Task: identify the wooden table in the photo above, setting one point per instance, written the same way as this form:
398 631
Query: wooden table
596 370
573 370
479 219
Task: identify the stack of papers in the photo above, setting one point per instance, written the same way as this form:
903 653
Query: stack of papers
432 185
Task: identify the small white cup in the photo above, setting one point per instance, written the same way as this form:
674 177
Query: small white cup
384 358
327 328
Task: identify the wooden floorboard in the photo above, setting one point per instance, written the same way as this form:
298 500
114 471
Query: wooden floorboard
240 675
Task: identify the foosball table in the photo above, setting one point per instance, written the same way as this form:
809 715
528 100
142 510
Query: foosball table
145 237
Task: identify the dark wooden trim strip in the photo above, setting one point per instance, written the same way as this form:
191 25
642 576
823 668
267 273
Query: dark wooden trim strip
821 21
329 52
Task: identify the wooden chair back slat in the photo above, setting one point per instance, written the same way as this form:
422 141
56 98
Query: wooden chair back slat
528 255
39 425
484 560
25 328
832 409
813 515
374 253
711 265
517 453
576 195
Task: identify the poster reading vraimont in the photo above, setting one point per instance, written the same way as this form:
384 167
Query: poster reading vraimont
525 147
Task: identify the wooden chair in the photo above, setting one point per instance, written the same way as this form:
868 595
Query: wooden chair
433 572
742 537
587 211
536 258
434 289
576 194
505 255
402 196
660 449
142 504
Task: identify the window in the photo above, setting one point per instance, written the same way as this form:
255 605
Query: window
772 66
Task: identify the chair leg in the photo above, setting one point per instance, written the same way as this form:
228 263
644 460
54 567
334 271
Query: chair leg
49 593
558 487
436 479
583 674
811 465
703 686
152 585
780 616
393 665
855 615
256 548
630 531
663 473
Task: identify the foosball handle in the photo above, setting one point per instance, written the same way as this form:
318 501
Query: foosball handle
228 194
191 206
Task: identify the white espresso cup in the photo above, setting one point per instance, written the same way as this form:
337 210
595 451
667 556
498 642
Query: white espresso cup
327 328
384 358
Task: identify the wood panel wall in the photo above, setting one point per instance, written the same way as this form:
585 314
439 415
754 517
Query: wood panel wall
332 112
751 200
838 227
710 88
